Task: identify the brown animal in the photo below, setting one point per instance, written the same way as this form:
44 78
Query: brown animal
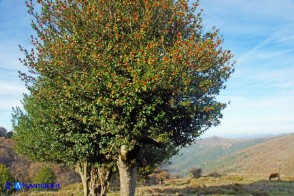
274 175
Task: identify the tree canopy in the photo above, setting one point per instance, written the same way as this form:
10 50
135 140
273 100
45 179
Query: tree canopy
110 80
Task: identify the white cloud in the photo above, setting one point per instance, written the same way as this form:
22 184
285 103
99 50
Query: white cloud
283 33
11 89
244 115
7 104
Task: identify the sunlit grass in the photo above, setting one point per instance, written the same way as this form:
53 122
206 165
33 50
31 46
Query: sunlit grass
224 185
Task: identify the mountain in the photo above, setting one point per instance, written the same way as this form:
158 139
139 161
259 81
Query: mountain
251 156
273 155
205 152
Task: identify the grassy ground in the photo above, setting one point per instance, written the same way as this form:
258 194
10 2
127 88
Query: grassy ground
225 185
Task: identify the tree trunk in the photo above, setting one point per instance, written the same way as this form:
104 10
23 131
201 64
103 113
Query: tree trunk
104 175
127 175
82 169
95 180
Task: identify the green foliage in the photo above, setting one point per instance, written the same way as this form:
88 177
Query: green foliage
45 175
112 73
154 157
10 134
5 176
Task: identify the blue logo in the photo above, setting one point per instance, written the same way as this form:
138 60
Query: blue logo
17 186
8 186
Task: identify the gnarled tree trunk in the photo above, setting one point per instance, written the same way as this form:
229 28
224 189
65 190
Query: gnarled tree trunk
82 169
104 175
127 174
95 180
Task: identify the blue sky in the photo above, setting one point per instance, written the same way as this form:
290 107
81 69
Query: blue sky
259 33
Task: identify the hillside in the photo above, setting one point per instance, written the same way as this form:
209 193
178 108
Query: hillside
207 151
255 157
274 155
25 170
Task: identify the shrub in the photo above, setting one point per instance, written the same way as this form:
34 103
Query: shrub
9 134
214 174
196 172
45 175
5 176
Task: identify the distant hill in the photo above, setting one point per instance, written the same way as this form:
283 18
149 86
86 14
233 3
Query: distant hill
24 170
207 151
251 156
273 155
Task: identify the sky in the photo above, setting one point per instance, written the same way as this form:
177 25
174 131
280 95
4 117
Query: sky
259 33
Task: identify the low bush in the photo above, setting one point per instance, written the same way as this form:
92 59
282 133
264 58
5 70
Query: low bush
45 175
215 175
5 176
196 172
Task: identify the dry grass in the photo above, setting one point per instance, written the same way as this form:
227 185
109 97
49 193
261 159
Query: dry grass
69 190
225 185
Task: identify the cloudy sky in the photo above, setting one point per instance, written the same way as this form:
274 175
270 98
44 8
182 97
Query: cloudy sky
259 33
